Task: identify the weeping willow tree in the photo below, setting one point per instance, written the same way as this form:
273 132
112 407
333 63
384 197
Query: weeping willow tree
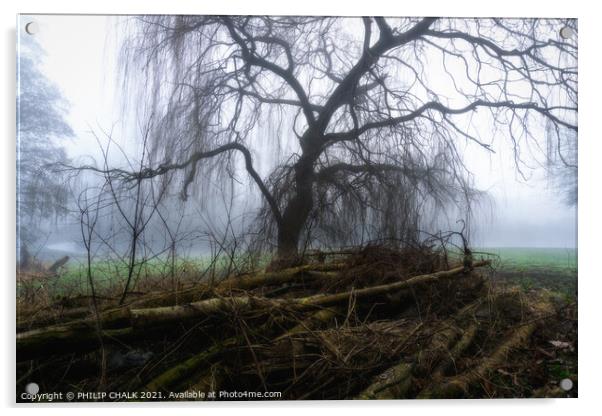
364 119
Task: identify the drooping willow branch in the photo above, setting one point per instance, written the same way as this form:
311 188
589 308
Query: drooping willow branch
434 105
352 110
327 173
148 173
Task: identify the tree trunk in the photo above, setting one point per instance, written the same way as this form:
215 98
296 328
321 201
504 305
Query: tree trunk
294 217
289 234
25 260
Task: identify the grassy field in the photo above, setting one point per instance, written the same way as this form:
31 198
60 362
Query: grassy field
530 267
534 258
110 276
552 268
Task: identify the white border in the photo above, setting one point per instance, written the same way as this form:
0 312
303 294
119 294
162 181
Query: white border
590 209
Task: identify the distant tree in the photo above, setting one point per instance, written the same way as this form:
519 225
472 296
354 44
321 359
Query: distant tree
367 115
562 164
41 110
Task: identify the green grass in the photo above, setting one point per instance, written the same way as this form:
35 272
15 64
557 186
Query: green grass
104 273
107 273
529 258
530 268
73 279
533 268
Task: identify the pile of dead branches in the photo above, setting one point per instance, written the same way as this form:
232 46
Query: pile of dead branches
364 325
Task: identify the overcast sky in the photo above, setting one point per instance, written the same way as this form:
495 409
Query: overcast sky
80 58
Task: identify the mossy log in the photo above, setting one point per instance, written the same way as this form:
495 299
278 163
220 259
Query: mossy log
392 384
396 381
509 304
167 314
46 318
315 320
196 363
332 299
79 319
447 361
60 340
156 316
458 386
244 282
174 297
78 335
185 369
462 345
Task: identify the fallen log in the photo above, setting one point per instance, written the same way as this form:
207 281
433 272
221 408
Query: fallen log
176 297
457 386
153 317
245 282
396 381
60 340
331 299
439 373
392 384
172 376
109 317
156 316
312 322
462 345
194 364
76 335
47 318
164 315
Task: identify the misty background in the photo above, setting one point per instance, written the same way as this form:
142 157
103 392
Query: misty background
81 55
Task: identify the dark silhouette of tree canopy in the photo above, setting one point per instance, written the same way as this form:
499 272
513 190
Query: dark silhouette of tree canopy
40 125
366 116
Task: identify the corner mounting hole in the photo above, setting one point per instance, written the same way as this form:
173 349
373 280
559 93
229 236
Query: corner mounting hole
566 33
566 384
32 28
